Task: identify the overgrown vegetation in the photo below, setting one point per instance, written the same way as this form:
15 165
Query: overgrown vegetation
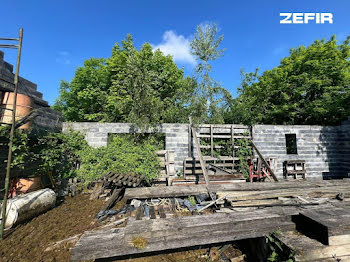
310 86
124 154
37 153
243 153
68 155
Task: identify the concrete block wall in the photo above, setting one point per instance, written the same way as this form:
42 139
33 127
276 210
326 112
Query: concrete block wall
344 139
326 149
323 148
96 134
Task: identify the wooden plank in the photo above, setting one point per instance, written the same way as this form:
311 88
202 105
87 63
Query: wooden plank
117 194
172 233
330 227
199 153
267 175
139 213
161 211
177 191
152 212
293 192
217 164
308 249
214 136
263 159
209 158
211 141
224 126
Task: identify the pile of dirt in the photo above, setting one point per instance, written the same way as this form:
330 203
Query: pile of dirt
27 242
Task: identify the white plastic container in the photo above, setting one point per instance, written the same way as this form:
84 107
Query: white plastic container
30 205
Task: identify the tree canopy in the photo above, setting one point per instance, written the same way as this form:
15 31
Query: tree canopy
310 86
139 86
145 87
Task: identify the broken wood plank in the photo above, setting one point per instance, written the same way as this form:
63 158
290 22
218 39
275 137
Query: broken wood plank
58 244
117 194
267 175
212 203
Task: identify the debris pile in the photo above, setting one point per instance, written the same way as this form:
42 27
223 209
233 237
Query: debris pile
110 182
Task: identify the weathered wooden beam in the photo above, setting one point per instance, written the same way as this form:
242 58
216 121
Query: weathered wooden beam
266 164
178 191
308 249
173 233
199 153
291 192
331 226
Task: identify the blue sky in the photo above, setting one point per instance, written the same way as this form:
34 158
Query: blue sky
60 35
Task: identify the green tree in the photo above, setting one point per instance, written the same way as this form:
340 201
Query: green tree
84 98
139 86
210 96
147 87
310 86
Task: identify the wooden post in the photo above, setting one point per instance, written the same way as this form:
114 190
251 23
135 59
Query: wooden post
211 141
189 142
199 153
9 157
233 148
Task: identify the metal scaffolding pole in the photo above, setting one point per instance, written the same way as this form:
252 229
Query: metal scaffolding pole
9 157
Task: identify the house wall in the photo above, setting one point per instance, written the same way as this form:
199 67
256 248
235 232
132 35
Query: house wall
326 149
96 134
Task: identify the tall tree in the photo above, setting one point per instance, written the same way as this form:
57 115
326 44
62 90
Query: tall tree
83 99
139 86
147 87
210 95
310 86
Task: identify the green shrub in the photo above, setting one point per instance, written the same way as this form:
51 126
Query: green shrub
39 153
243 153
124 155
58 153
